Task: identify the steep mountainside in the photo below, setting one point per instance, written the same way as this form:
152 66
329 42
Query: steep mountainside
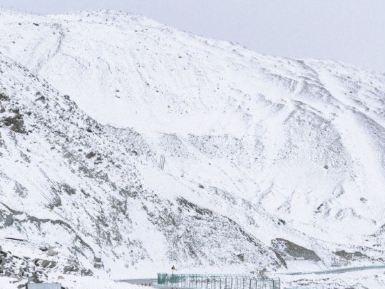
126 144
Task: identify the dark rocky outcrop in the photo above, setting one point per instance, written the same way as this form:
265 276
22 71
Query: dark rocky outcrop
290 250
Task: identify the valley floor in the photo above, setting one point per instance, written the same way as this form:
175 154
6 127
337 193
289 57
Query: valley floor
365 279
73 282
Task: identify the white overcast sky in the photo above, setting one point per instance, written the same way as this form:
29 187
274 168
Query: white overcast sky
352 31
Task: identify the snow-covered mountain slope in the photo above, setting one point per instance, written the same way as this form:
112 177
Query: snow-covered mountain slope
128 141
77 186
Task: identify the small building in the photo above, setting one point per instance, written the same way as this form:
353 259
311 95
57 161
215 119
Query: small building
43 286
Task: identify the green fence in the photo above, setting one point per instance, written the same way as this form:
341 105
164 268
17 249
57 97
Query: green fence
199 281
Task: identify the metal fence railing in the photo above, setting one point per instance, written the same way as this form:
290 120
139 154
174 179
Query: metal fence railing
203 281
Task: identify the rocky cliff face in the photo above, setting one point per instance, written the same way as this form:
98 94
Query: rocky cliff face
125 144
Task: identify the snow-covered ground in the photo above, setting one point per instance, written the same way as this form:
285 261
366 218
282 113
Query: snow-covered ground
127 146
73 282
374 279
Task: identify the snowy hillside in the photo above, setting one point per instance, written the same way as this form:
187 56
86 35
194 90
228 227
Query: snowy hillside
126 144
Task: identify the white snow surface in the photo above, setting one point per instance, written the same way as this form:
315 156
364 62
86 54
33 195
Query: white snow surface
73 282
146 147
356 280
